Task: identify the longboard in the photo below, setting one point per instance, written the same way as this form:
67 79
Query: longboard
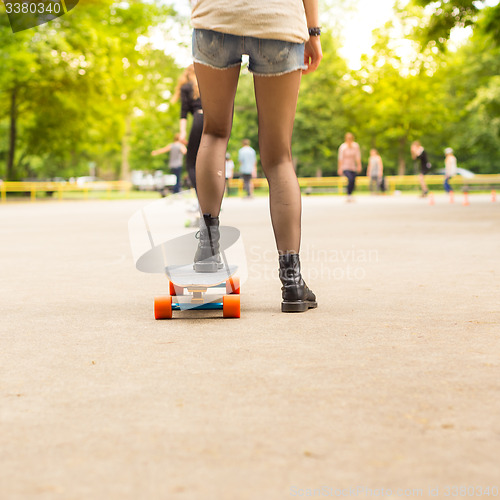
200 291
156 250
190 289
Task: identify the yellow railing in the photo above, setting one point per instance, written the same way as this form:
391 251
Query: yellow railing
337 184
394 182
60 188
397 181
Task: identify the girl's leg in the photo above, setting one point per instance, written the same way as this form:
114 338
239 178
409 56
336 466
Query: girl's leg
276 98
276 102
217 89
193 146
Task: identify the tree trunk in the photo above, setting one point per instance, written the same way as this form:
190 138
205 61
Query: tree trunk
13 135
125 166
401 157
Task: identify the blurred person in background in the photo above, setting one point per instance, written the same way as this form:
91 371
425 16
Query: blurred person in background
450 169
188 93
177 151
349 163
248 165
375 171
229 172
419 155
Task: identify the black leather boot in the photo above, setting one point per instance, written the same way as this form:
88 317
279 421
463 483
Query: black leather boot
296 295
207 258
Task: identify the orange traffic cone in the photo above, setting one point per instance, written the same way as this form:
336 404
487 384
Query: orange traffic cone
452 197
493 196
432 201
466 199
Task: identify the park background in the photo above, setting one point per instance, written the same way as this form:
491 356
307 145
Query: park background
91 91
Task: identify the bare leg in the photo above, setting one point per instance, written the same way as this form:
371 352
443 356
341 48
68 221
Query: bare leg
276 103
217 89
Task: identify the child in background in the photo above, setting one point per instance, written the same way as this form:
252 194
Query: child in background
375 171
229 172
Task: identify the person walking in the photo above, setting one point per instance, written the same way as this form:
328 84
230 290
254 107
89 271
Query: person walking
419 155
282 41
229 172
349 163
177 151
247 158
375 171
188 93
450 169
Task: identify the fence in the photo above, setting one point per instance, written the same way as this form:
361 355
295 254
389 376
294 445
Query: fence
476 183
60 188
308 184
394 182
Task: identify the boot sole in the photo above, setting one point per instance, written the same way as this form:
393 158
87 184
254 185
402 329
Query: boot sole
300 306
207 267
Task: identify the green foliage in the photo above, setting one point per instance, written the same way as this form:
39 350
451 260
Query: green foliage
78 81
324 113
245 123
473 95
449 14
400 101
156 120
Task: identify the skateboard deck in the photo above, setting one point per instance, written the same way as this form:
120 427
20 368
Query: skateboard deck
202 291
190 289
186 276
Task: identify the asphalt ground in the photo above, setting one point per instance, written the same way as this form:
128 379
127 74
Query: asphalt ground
390 386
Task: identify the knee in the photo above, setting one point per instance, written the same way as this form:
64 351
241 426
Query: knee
217 130
276 160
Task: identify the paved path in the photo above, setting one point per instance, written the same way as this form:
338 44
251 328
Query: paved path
392 382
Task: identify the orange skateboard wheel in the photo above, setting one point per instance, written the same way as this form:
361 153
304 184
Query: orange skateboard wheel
163 307
233 285
175 290
231 306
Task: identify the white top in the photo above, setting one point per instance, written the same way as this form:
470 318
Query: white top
271 19
374 165
248 159
229 169
450 166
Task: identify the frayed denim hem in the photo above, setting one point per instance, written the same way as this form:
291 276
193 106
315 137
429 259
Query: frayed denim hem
281 73
203 63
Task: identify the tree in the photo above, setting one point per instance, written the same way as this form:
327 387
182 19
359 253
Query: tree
449 14
323 115
396 100
470 79
71 88
17 74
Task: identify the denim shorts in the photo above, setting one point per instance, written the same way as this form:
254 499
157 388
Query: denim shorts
267 57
